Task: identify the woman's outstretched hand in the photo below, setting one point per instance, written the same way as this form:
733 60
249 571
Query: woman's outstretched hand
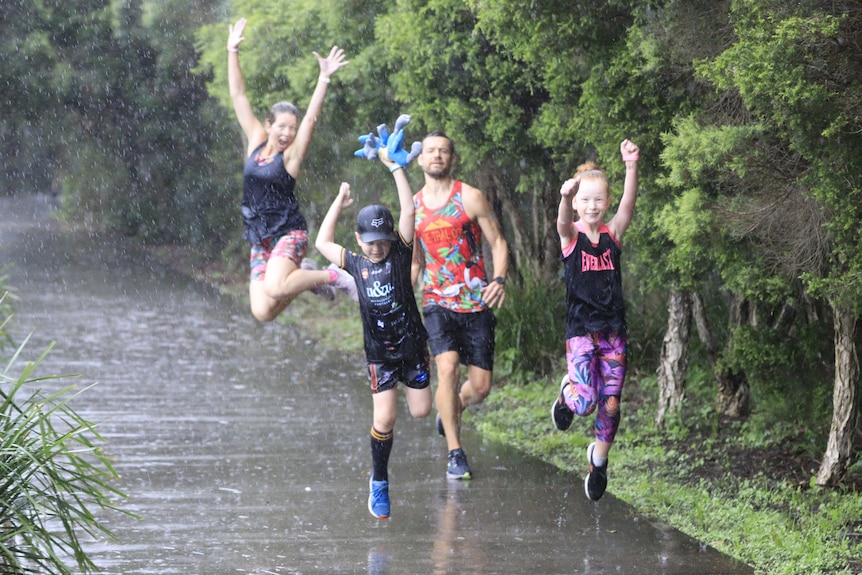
234 36
330 64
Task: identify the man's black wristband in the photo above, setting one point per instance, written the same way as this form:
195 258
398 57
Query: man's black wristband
500 280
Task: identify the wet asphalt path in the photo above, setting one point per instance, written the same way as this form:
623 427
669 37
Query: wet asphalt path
244 447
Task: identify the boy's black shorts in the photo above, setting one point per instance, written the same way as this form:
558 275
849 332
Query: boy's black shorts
413 371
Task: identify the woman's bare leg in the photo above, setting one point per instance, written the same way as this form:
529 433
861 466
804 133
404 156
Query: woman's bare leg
263 307
282 282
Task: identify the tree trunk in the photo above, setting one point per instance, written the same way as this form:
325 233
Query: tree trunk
703 330
521 253
845 400
551 238
673 363
734 395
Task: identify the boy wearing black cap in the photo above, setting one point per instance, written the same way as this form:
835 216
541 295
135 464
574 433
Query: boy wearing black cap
395 338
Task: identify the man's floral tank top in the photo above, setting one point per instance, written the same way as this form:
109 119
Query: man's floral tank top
454 268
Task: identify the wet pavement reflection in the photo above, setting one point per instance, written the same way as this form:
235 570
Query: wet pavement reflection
244 447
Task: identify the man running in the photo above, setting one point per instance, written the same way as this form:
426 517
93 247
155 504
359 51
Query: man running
451 220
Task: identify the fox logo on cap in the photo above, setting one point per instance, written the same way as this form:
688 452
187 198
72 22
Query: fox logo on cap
374 223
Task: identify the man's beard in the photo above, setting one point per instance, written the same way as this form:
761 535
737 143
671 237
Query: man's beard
440 174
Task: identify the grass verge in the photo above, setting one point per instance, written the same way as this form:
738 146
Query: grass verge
744 501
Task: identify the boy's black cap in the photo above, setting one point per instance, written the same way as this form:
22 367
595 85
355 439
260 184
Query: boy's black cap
374 223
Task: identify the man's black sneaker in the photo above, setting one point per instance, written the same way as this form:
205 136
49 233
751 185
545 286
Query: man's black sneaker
441 431
457 467
560 412
596 480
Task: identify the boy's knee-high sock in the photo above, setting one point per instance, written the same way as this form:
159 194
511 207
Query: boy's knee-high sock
381 447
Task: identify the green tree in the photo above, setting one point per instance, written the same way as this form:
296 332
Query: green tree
28 104
101 103
785 152
146 156
453 77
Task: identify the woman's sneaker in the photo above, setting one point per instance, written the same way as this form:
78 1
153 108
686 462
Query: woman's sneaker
326 291
560 412
457 467
378 498
344 282
308 264
596 480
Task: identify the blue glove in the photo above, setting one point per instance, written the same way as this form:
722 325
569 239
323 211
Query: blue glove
370 145
398 154
402 121
394 146
393 143
383 132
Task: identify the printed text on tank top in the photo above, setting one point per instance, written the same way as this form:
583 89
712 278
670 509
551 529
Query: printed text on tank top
589 262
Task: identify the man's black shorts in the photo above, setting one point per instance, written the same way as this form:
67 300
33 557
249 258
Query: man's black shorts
470 334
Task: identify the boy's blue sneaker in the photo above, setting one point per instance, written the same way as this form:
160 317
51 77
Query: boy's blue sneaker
596 480
378 498
560 412
457 465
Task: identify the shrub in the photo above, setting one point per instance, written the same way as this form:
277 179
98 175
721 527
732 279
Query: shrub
531 327
52 473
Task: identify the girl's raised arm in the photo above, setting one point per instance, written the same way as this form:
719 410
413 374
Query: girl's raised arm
621 220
